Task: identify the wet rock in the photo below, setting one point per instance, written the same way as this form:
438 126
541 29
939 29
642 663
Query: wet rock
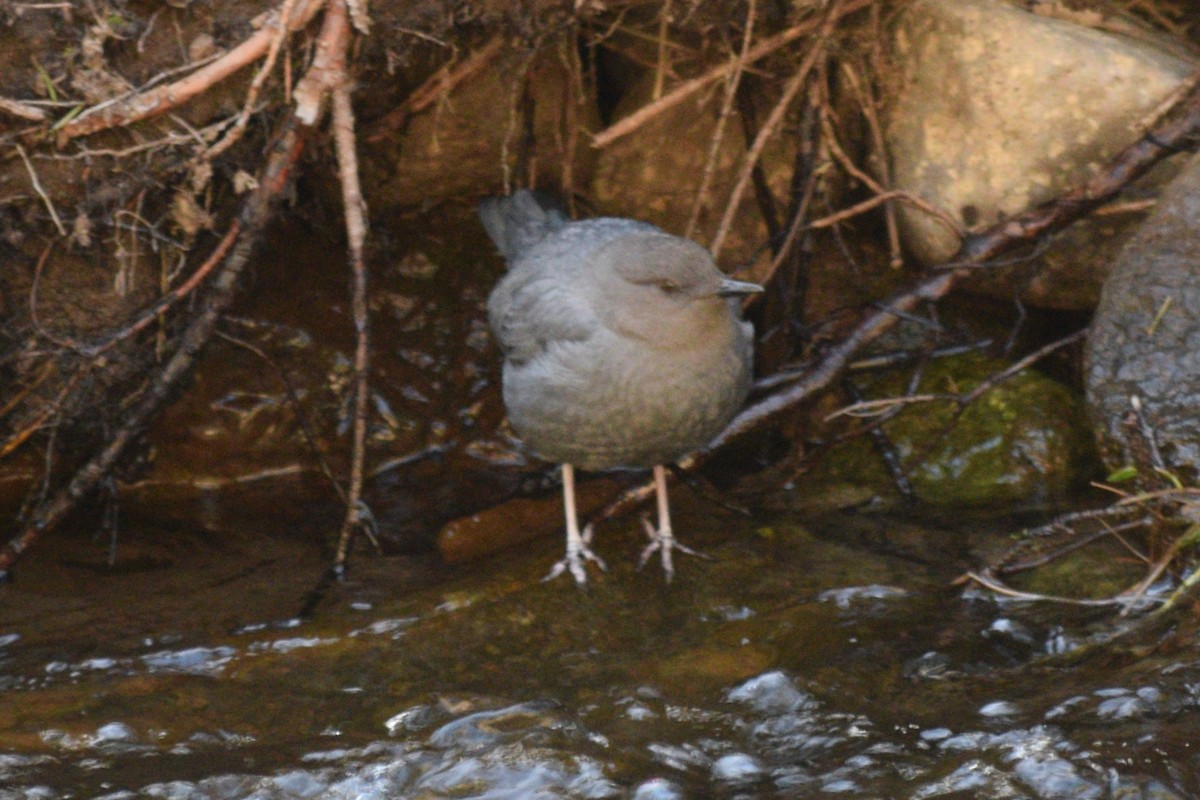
658 789
998 110
1025 440
772 693
738 768
1145 338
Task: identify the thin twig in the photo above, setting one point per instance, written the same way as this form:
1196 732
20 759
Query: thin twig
718 135
37 187
993 584
281 35
440 84
629 124
768 129
867 105
356 232
147 104
871 408
1012 369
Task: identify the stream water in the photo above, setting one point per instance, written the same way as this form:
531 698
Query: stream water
833 659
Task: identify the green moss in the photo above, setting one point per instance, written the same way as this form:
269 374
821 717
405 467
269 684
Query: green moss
1025 440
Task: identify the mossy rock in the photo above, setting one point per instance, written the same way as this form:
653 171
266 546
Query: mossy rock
1025 441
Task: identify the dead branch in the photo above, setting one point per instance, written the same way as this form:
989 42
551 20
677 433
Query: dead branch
150 103
255 213
357 516
685 90
440 84
977 249
328 70
768 129
718 135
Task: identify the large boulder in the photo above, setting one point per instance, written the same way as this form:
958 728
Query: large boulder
996 110
1145 338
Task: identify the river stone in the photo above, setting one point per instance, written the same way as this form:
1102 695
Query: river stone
1145 337
996 110
1025 441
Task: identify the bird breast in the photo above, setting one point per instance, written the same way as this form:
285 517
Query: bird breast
614 401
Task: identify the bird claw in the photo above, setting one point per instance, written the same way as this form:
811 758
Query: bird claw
664 540
576 558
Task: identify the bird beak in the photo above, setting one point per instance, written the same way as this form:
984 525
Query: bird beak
731 287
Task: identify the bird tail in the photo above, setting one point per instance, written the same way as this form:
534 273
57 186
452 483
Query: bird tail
521 220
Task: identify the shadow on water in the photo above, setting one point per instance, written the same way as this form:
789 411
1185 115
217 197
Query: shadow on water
832 659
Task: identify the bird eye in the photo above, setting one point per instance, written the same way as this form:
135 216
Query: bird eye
670 287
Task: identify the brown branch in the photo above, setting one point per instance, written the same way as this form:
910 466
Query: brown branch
685 90
773 121
441 83
357 517
147 104
718 135
328 69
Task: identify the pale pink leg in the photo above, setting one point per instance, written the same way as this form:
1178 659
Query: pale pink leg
579 551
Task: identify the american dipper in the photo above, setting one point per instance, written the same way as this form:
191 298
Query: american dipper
624 346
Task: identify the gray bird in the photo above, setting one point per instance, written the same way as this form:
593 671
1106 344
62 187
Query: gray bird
624 346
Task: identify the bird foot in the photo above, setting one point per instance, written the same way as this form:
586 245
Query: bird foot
664 541
578 554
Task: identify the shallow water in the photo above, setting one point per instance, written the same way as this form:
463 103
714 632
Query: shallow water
834 660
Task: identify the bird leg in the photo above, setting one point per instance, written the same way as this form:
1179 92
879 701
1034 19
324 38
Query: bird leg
579 551
662 538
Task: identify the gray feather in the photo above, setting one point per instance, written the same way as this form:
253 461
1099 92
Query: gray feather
519 221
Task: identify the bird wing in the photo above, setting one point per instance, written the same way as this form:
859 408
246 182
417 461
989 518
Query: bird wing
530 311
